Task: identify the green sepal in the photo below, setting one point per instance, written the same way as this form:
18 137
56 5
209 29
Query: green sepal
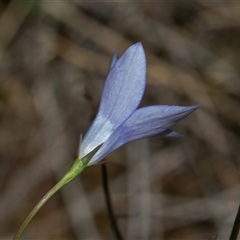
78 166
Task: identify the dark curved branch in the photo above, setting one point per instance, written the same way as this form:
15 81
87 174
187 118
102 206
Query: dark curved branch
112 218
236 226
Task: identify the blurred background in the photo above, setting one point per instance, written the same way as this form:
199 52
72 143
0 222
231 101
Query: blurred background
54 58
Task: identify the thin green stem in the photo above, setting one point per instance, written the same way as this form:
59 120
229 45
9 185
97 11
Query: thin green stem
37 207
78 166
236 226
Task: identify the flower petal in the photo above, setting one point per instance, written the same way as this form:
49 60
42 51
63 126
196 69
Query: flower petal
170 133
114 59
124 85
153 120
144 122
122 93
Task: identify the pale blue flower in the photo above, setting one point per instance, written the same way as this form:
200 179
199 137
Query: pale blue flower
118 120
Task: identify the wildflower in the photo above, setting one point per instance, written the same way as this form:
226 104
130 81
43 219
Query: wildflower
118 120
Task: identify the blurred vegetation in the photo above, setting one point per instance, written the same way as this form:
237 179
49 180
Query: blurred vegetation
54 57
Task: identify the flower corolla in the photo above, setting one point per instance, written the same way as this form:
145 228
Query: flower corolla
119 120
